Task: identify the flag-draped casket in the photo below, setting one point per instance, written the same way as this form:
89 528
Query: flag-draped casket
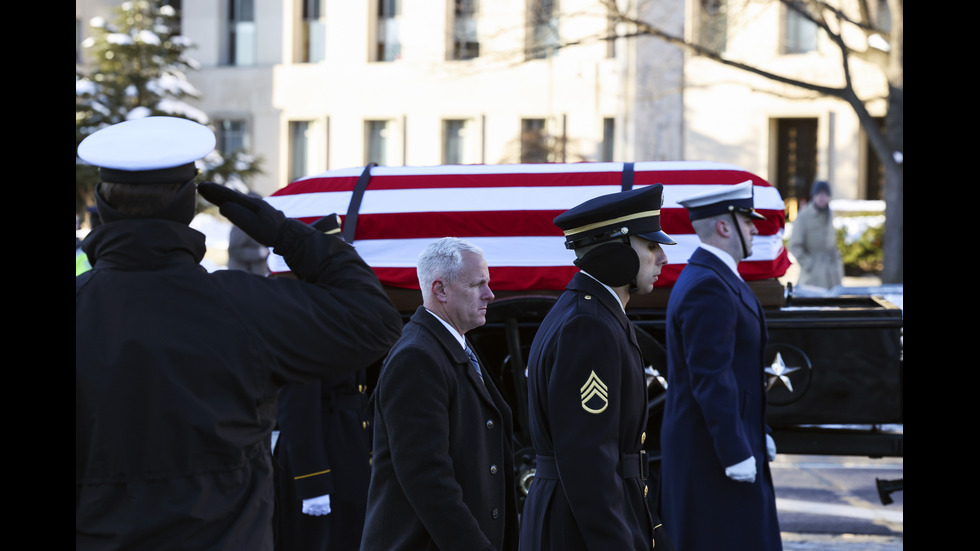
391 213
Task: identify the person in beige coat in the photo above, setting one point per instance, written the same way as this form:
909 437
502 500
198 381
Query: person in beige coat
814 242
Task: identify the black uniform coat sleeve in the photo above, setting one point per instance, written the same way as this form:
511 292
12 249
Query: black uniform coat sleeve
177 371
587 407
443 475
324 447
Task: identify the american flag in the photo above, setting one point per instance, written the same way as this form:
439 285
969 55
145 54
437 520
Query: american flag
508 210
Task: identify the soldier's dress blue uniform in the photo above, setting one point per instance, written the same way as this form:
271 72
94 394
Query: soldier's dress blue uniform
587 398
586 343
324 448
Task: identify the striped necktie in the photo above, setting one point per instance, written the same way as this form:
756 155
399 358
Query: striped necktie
474 361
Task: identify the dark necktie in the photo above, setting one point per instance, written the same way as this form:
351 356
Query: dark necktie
474 361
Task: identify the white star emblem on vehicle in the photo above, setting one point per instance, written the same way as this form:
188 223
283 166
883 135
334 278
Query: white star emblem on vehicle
778 371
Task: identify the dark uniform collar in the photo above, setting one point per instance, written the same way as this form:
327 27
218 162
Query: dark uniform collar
143 244
582 283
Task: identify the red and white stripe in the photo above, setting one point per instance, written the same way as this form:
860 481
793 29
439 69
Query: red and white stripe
507 210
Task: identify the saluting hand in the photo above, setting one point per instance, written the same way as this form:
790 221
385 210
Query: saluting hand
254 216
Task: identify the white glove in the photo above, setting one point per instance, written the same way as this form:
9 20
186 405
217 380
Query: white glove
771 448
317 506
743 471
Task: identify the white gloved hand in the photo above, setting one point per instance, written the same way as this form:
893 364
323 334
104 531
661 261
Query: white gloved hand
743 471
317 506
770 447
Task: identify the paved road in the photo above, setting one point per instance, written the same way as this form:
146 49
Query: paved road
846 542
831 503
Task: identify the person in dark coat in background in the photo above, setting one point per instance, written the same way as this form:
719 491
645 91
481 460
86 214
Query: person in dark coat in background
717 486
587 394
324 457
443 475
245 253
176 369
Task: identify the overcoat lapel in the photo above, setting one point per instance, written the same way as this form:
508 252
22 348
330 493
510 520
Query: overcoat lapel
455 352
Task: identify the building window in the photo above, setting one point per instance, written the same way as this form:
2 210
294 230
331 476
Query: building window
387 35
713 24
534 141
796 158
874 187
800 33
608 139
241 32
314 31
177 6
232 135
543 23
300 149
466 42
376 142
453 141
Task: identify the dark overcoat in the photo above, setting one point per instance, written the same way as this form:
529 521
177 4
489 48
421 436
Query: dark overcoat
443 474
587 415
177 372
324 448
715 413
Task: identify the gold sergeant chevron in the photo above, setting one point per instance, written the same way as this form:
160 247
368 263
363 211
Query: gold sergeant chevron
594 390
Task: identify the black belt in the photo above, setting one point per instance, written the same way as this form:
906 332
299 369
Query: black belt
631 465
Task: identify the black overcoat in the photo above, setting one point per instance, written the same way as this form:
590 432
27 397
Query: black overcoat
443 474
715 413
177 372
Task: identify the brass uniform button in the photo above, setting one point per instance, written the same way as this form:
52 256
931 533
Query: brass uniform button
643 438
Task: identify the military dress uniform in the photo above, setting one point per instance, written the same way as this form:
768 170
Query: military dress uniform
177 370
323 449
587 393
715 411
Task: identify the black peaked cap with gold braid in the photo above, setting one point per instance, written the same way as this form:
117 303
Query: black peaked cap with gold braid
615 216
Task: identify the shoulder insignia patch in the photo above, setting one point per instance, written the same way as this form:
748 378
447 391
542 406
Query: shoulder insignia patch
595 394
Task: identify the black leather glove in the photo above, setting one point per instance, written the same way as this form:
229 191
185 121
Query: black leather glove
329 224
254 216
